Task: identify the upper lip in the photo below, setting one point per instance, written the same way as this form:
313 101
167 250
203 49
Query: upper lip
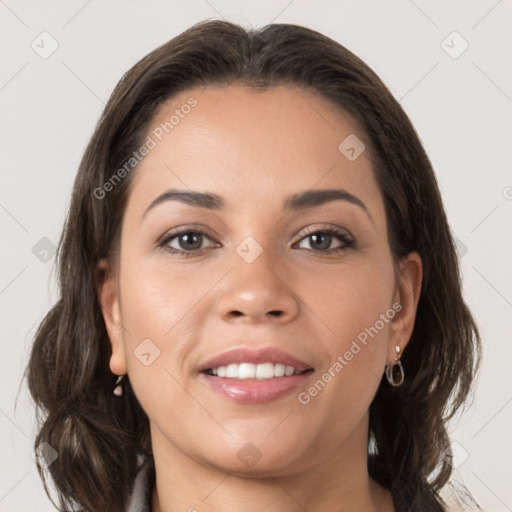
255 356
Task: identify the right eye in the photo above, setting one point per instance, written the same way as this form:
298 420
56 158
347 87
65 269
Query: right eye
185 242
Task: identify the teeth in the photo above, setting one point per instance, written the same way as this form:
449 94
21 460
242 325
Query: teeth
253 371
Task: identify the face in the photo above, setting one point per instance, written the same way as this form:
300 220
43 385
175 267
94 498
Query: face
291 276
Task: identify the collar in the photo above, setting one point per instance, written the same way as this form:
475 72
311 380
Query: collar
141 495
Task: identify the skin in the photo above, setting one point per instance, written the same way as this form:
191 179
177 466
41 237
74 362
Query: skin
254 149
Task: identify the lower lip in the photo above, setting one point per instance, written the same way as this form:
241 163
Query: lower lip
252 391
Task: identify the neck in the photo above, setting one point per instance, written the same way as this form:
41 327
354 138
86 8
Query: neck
340 482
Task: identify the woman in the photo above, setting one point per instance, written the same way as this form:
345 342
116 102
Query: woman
260 302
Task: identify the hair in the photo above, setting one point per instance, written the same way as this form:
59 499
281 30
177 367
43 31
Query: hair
100 438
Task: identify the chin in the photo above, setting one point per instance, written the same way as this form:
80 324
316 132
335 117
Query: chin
256 458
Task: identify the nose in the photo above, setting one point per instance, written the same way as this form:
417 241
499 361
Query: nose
257 292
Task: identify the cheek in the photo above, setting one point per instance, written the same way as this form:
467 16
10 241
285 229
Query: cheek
350 300
157 305
355 308
158 298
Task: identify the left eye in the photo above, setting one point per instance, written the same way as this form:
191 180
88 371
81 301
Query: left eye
321 240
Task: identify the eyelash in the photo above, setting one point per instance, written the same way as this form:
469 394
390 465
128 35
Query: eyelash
347 241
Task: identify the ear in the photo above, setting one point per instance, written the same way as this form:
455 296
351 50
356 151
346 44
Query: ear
406 297
108 296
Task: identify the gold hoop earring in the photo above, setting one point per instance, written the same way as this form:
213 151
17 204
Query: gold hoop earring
395 373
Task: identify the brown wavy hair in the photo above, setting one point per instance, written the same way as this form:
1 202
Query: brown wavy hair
99 437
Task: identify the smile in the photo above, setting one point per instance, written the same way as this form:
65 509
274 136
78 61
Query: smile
253 371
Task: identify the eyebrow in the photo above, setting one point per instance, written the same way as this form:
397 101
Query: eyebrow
295 202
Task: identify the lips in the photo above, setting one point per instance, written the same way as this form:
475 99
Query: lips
245 387
255 356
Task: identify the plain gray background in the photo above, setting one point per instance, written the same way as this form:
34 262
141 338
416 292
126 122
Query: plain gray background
460 103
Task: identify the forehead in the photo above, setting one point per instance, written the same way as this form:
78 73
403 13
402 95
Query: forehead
252 144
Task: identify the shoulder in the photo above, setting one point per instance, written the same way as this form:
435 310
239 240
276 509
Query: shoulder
140 497
457 497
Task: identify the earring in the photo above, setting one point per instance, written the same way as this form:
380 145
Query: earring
118 390
395 373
